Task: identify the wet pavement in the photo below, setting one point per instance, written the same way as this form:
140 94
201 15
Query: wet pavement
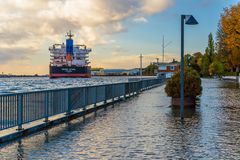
145 127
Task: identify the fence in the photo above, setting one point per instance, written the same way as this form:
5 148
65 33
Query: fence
20 108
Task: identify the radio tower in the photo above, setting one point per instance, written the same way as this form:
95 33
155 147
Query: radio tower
163 48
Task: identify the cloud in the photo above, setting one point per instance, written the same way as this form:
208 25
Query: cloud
140 20
9 54
29 26
122 60
154 6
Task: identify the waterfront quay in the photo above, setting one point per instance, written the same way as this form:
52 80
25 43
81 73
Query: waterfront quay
144 127
19 109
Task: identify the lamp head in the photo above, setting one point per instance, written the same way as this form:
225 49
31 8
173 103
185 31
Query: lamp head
190 20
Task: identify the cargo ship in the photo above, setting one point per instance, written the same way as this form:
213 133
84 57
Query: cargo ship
69 60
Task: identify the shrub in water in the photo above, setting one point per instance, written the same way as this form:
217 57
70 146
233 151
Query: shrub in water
192 84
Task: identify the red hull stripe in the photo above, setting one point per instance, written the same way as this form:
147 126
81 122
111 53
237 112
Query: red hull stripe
70 75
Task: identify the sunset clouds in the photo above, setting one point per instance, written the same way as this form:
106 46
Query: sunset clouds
28 27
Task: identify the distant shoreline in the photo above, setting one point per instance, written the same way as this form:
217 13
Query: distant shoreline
12 76
22 76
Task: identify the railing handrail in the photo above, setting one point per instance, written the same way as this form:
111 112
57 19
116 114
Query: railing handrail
78 87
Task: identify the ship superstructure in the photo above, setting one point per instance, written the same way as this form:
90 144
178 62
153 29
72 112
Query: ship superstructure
69 60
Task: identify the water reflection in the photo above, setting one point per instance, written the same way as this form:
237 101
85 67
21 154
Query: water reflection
20 150
46 137
146 128
189 112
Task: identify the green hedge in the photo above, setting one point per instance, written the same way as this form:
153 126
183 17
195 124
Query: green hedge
230 74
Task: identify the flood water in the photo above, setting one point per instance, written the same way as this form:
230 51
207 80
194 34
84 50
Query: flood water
145 127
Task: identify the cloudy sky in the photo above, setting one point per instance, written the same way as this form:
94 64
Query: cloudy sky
116 30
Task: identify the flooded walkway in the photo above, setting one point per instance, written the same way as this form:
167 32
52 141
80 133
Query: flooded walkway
145 127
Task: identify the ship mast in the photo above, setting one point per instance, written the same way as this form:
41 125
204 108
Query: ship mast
69 34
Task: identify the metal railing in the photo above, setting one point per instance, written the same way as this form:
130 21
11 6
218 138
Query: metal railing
21 108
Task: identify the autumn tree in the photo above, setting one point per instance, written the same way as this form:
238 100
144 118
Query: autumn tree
222 53
230 35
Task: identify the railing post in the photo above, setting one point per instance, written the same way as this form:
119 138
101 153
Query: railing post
131 89
69 106
113 95
119 86
134 89
20 111
86 102
46 106
95 103
105 100
129 92
138 87
124 95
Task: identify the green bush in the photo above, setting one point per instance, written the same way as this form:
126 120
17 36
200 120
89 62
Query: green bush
192 84
230 74
216 68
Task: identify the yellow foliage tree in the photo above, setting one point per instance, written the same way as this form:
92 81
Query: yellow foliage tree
230 25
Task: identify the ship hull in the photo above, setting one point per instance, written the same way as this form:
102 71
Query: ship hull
69 72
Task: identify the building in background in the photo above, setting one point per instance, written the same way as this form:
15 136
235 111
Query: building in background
167 69
115 72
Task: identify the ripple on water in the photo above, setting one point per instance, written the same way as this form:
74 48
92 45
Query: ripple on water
145 128
16 84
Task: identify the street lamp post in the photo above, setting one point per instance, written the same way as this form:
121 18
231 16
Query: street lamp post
189 20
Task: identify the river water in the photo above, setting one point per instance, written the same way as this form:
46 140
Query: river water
24 84
145 127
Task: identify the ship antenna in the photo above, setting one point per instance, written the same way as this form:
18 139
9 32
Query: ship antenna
69 34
